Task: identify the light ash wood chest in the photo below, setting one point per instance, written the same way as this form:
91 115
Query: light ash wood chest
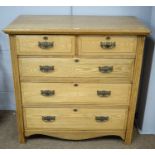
76 77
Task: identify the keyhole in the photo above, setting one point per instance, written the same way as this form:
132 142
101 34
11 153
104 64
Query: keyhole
108 38
76 85
45 38
75 110
76 60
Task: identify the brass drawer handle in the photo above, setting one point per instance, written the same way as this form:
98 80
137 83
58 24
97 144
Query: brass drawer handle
47 93
48 118
45 44
105 69
46 69
108 45
101 118
103 93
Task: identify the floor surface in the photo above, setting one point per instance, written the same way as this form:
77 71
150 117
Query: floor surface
9 139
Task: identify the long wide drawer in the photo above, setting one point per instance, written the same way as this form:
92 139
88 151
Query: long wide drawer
69 67
45 44
70 93
69 118
102 45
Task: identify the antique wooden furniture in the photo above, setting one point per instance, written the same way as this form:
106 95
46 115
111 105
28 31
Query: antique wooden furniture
76 77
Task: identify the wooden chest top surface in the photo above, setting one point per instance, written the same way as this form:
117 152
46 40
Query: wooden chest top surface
46 24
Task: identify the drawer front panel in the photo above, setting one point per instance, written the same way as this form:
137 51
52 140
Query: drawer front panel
100 45
70 93
45 45
69 118
93 68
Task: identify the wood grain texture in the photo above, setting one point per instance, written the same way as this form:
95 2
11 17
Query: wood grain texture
82 119
76 80
77 105
68 93
76 37
84 68
90 45
76 135
62 45
135 87
124 55
19 110
37 24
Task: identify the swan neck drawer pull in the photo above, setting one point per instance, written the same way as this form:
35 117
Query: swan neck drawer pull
101 118
107 45
105 69
45 45
103 93
46 69
48 118
47 93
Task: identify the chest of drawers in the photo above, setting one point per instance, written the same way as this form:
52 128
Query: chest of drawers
76 77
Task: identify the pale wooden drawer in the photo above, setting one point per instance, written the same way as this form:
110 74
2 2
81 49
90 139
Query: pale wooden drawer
68 67
103 45
69 93
45 44
69 118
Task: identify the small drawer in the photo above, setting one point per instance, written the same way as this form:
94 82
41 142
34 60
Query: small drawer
45 44
78 118
71 68
72 93
107 45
